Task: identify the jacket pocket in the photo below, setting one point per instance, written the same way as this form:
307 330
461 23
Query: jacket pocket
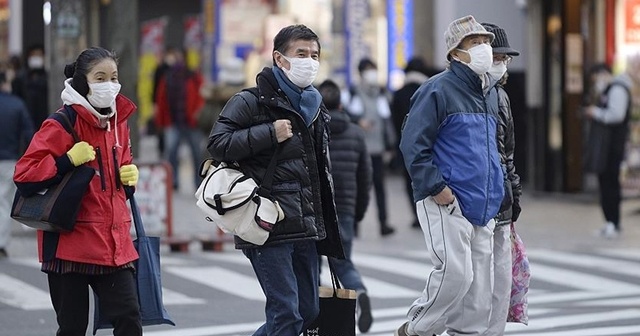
289 196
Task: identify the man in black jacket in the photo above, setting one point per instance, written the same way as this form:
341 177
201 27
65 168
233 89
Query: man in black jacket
351 170
283 115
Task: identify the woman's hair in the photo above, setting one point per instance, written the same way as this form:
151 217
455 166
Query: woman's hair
79 69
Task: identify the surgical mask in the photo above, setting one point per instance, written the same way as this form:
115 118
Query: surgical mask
35 62
497 71
303 70
370 77
103 94
481 58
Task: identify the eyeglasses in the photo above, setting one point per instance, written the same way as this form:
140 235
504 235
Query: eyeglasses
506 59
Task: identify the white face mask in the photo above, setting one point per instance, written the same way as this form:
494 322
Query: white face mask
35 62
481 58
370 77
497 71
103 94
303 70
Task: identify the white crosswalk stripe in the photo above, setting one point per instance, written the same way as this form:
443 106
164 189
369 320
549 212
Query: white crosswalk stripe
595 293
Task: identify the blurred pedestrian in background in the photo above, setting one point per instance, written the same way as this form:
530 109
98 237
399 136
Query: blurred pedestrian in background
454 164
16 130
608 130
178 104
31 84
416 73
284 116
351 171
510 208
369 105
168 60
99 252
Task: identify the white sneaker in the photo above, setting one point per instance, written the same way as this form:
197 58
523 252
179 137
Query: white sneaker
609 231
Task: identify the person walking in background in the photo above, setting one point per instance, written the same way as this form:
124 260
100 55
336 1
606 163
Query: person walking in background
369 105
510 208
99 252
416 73
178 104
16 131
609 119
351 171
450 150
31 84
284 116
168 60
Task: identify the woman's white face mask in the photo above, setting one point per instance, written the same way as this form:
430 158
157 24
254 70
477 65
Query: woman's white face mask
481 58
103 94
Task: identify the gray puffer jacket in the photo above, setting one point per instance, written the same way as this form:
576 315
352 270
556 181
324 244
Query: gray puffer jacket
302 182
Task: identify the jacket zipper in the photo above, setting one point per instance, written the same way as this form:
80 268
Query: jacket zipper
115 167
101 169
486 119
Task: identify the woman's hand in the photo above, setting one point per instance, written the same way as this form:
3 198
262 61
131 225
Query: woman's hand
129 175
81 153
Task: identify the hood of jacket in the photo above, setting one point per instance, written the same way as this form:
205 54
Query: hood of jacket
121 109
339 121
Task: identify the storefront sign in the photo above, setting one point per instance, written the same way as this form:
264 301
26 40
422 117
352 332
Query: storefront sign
632 21
399 18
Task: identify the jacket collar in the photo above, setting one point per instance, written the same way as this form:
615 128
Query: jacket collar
466 75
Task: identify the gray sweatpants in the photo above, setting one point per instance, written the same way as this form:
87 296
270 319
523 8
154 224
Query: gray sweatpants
457 295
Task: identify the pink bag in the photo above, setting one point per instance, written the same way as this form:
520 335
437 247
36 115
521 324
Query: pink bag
520 284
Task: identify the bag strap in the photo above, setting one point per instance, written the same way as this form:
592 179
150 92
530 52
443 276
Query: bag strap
267 180
137 219
334 278
66 123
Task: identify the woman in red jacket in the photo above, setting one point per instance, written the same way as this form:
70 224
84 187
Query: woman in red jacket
99 252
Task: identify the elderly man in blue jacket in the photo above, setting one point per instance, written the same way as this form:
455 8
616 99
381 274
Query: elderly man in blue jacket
449 148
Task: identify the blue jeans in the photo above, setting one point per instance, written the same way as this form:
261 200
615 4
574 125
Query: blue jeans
173 136
288 275
344 268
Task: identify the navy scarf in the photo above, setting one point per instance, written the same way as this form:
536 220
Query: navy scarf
305 101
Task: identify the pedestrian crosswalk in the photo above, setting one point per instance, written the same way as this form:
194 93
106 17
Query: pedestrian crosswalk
572 293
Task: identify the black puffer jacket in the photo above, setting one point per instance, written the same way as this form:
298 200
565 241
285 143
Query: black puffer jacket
510 208
351 166
302 183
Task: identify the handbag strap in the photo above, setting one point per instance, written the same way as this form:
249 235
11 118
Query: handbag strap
267 180
335 282
66 123
137 219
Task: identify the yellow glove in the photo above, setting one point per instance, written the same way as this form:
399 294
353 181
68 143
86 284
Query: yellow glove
129 175
81 153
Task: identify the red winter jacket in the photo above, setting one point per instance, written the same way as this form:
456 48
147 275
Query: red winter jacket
101 235
193 102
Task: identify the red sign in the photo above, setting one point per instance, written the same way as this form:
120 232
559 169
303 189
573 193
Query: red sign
632 21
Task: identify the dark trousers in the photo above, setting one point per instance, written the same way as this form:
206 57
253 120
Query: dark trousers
377 165
118 301
610 192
